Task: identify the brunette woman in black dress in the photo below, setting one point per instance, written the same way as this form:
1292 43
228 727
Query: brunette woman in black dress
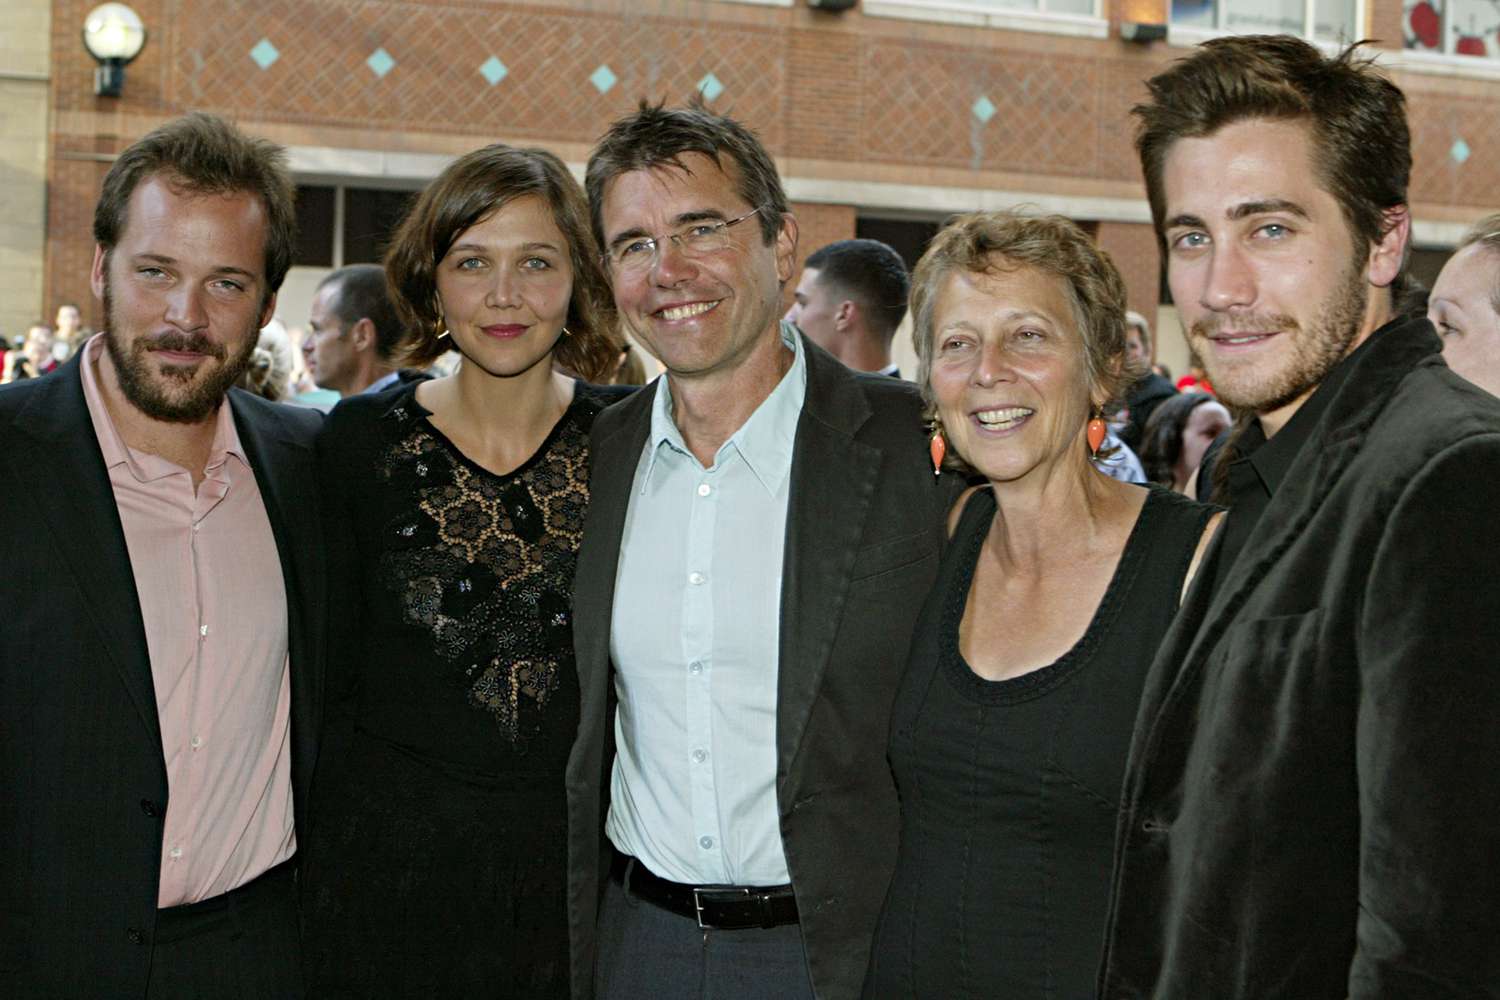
435 863
1011 728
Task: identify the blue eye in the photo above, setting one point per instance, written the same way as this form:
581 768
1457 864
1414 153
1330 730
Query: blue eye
1191 241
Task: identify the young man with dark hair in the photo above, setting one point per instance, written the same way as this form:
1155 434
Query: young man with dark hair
163 658
1311 800
762 528
353 331
850 300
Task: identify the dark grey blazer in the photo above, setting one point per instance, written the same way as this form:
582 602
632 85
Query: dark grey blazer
83 782
863 532
1312 807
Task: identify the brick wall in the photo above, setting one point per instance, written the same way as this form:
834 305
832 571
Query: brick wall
848 98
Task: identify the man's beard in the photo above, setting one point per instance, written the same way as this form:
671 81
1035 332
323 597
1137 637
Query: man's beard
147 391
1315 350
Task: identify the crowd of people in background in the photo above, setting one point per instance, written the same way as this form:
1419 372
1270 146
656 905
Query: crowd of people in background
427 654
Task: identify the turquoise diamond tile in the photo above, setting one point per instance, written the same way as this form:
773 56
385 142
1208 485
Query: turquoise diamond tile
984 109
1460 151
603 79
380 62
264 53
493 70
710 87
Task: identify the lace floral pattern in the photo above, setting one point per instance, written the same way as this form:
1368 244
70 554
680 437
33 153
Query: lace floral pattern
484 563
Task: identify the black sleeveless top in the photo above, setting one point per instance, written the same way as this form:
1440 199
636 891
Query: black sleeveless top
1009 788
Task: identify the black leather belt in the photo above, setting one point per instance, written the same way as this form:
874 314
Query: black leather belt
714 907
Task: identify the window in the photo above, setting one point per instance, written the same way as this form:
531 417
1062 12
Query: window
1453 27
1067 17
1318 20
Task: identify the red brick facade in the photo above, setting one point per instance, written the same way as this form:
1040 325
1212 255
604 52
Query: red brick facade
850 98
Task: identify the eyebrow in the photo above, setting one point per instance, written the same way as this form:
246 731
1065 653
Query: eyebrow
157 258
1244 210
480 248
678 220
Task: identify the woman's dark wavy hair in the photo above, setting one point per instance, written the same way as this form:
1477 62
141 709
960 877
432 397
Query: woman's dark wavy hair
473 188
1161 441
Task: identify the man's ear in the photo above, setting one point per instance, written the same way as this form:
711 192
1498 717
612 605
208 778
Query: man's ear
1389 252
268 311
362 334
786 247
97 273
844 317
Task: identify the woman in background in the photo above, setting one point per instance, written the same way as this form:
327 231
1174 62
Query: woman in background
1011 727
436 859
1178 434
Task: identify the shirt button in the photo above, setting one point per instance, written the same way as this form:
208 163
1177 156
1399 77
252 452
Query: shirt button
203 630
196 526
197 742
175 853
707 843
700 755
695 578
704 489
696 667
134 936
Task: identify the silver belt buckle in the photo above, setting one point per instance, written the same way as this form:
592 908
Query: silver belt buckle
699 890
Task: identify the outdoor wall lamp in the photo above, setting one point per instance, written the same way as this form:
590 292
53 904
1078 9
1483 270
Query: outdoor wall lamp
114 35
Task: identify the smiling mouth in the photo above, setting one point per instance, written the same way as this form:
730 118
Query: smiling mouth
1003 419
1241 339
687 311
505 331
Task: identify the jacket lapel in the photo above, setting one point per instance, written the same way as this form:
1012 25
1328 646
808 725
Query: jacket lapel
286 476
59 461
832 484
613 459
1327 453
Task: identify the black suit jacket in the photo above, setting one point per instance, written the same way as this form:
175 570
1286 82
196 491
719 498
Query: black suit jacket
83 782
863 532
1311 805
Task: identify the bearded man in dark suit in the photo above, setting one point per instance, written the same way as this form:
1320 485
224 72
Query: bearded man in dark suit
1311 803
763 526
161 662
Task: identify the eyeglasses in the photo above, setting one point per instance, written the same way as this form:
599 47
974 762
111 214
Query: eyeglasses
694 239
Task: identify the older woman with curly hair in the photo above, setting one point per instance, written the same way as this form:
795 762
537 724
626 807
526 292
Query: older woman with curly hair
1011 728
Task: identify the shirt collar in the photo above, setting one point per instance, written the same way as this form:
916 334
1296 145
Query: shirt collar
764 441
1271 459
143 466
383 382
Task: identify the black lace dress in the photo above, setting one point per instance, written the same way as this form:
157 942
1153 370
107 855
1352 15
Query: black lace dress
435 862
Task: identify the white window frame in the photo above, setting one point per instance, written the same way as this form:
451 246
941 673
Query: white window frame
1190 35
979 15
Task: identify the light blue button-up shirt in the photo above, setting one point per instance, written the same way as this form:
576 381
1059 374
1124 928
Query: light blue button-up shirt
694 639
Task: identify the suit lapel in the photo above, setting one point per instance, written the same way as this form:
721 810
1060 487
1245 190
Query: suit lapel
58 460
1324 457
832 484
285 474
613 457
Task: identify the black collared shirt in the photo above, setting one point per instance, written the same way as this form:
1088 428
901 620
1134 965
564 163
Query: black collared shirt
1260 465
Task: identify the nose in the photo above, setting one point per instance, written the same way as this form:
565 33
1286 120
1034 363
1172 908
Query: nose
185 307
1227 282
993 363
671 266
793 312
503 293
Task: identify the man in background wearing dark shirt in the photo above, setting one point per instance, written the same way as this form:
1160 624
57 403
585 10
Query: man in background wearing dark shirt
1311 800
1149 390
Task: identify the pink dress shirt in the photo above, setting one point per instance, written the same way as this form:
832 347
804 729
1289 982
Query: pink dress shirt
214 608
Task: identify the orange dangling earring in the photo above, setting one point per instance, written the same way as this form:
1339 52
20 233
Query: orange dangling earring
1096 431
938 448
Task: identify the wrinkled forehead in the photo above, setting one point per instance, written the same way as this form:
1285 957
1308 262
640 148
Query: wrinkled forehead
691 182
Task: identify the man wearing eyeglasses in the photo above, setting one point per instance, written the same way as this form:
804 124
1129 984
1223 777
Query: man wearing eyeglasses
763 526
